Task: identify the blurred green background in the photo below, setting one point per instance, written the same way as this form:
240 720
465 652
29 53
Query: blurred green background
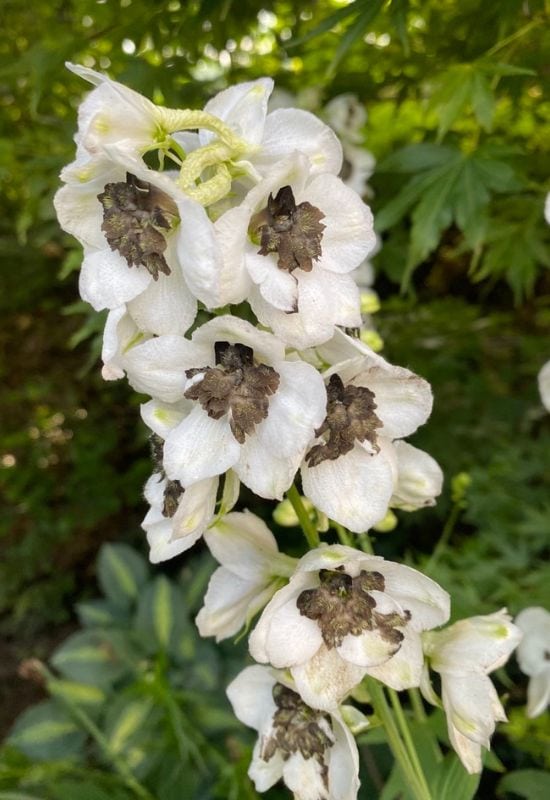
459 125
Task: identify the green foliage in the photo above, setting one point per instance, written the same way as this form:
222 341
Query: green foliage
137 705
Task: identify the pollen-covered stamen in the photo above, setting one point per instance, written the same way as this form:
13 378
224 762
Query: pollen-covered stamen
134 215
342 605
297 728
292 231
350 418
237 386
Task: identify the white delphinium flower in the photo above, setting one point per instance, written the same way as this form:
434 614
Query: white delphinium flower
547 208
251 571
419 478
313 752
351 473
544 385
346 115
464 654
243 405
344 615
288 248
128 220
533 656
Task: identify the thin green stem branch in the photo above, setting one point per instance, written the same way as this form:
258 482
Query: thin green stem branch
309 529
420 716
444 538
407 738
384 713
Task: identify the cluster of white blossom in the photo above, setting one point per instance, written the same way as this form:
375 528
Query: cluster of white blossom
228 275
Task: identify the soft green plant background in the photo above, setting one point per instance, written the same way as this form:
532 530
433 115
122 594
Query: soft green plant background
460 126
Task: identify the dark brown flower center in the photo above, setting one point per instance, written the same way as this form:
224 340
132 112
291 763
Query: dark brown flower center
237 386
297 728
350 418
342 605
173 490
134 215
292 231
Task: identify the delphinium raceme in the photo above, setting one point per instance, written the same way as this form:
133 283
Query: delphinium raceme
247 211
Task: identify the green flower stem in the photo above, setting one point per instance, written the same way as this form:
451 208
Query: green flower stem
343 534
93 731
446 534
365 543
384 713
420 716
407 738
309 529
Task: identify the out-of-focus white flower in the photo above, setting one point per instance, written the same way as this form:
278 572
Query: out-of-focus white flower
464 654
544 385
347 116
244 405
547 208
533 656
419 478
251 571
345 614
313 752
351 473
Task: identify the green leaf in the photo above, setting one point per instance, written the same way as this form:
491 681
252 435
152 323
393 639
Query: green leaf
162 615
325 25
94 657
452 96
121 573
46 732
532 784
100 613
77 693
355 31
499 68
127 722
418 157
483 100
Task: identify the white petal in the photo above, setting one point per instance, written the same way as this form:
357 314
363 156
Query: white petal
368 649
243 107
296 410
157 367
481 643
419 478
112 112
533 649
265 774
403 400
538 693
226 604
167 305
195 510
354 489
161 418
349 236
472 705
544 378
80 213
267 349
304 778
264 472
106 280
427 602
250 694
289 129
231 232
120 333
404 669
277 286
468 751
282 635
243 543
343 769
200 447
326 678
199 253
